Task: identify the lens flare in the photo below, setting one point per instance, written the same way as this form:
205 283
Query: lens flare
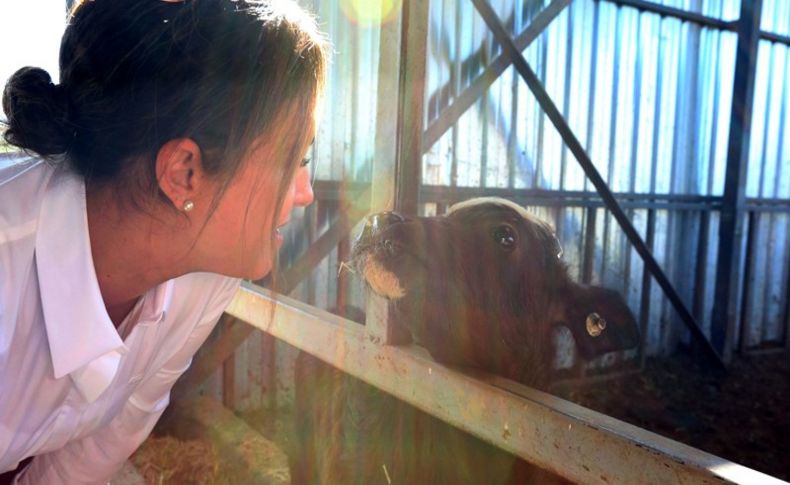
367 12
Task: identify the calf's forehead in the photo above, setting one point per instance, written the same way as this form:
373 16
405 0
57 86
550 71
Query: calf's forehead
492 205
504 210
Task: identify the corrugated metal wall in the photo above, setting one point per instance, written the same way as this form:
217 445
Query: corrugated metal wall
766 297
648 96
650 99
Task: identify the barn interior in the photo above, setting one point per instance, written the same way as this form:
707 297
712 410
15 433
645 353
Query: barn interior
652 135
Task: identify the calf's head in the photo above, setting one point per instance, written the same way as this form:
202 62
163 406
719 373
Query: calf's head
485 286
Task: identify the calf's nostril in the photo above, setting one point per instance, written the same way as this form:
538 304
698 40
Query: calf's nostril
391 248
374 225
383 219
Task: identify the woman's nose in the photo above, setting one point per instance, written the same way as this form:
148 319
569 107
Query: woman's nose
304 188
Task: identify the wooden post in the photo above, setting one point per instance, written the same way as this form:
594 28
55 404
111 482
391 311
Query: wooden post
399 128
411 103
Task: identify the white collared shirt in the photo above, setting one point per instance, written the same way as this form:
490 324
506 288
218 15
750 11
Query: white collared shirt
75 392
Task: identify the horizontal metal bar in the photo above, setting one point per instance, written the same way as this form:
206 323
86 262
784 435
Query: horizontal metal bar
704 20
572 441
449 195
773 37
666 11
767 208
335 191
573 144
759 201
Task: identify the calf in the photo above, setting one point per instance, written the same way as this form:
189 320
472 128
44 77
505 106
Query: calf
481 287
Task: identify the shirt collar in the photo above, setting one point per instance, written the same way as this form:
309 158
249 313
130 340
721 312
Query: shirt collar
82 339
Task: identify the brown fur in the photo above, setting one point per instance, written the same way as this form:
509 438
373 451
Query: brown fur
482 287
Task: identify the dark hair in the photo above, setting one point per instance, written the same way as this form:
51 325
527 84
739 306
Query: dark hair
137 73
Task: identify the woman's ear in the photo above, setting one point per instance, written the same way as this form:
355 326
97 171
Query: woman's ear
179 171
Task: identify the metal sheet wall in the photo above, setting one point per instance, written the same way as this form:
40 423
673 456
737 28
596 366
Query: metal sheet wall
650 97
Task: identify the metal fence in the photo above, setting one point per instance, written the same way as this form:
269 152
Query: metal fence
648 95
648 92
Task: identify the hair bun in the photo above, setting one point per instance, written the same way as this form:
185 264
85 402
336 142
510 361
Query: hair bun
37 113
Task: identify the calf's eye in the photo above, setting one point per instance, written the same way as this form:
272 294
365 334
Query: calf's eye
505 236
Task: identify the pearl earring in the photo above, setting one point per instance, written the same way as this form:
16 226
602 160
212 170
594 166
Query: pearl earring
188 205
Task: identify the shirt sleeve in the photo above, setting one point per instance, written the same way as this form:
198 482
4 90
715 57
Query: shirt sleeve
98 457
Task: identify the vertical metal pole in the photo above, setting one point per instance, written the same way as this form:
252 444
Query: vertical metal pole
644 304
566 105
542 64
748 276
787 310
593 81
386 149
411 102
400 119
589 245
725 306
458 82
700 271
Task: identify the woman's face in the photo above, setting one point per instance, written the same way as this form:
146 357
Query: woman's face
237 239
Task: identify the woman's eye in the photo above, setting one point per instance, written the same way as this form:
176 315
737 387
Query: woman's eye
305 162
505 236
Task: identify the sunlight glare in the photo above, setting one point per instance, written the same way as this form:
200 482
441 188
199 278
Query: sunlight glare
366 12
30 32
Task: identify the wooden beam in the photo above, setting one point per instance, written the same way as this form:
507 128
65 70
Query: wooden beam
388 141
411 104
574 442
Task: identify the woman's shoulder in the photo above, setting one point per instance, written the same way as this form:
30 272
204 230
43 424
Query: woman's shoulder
19 168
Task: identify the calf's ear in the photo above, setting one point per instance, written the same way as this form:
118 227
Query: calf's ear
599 320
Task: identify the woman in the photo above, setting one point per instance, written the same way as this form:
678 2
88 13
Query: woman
164 163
